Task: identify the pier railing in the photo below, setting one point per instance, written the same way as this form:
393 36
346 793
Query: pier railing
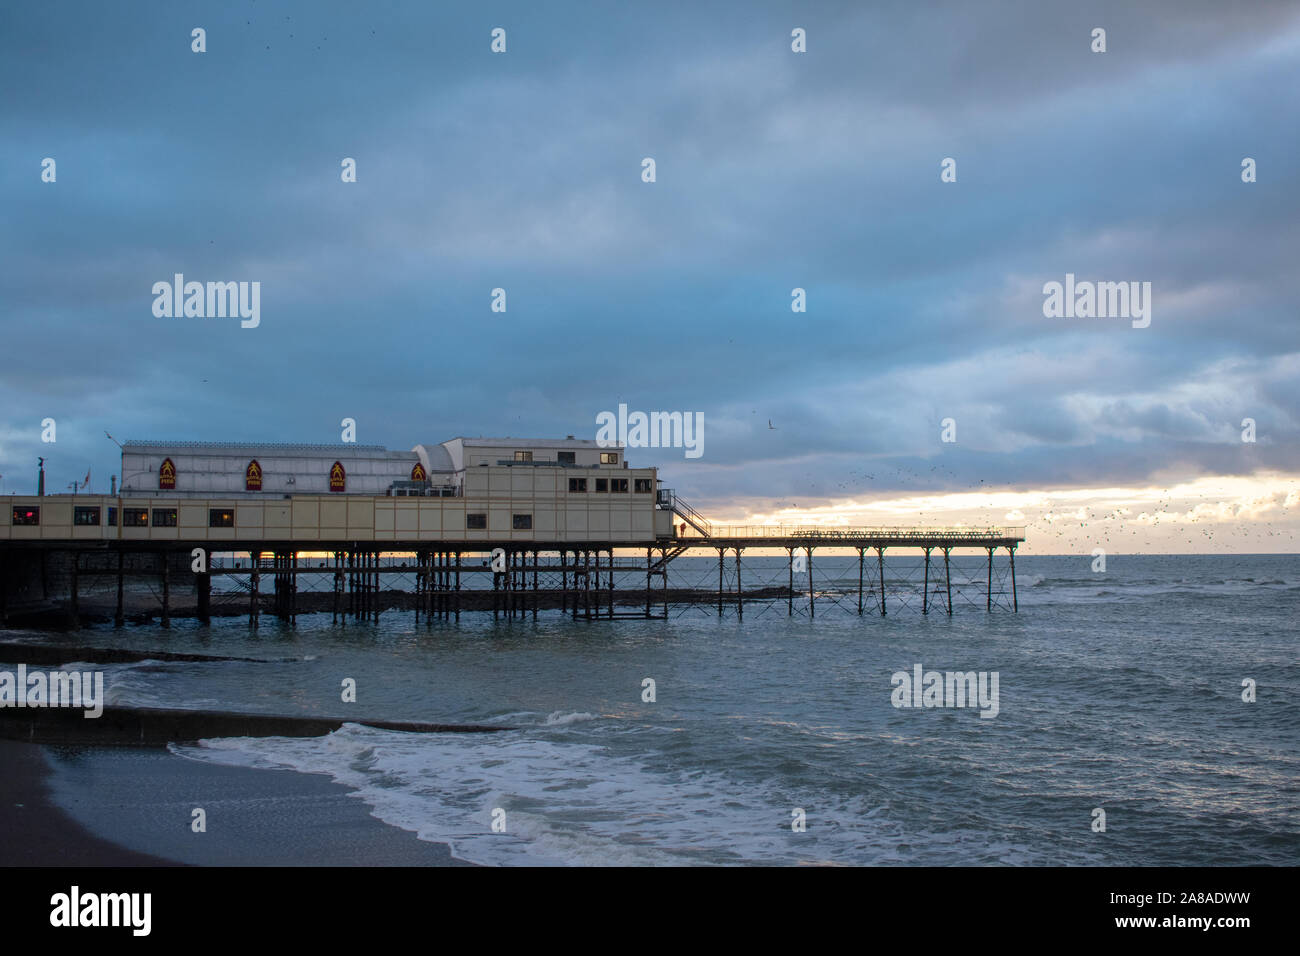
891 532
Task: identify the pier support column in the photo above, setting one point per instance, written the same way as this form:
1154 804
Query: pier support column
789 597
862 560
203 583
947 580
1015 601
880 556
988 594
812 607
721 557
740 594
254 557
925 593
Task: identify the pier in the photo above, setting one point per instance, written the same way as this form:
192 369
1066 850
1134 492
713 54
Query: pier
865 571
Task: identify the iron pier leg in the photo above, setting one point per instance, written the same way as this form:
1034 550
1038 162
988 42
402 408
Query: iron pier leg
812 609
947 580
205 591
789 596
989 592
253 580
925 594
721 553
1015 601
880 556
740 594
862 560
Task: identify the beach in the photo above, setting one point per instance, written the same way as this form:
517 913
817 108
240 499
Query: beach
53 802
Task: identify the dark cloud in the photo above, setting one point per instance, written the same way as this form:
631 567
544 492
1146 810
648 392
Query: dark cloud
774 171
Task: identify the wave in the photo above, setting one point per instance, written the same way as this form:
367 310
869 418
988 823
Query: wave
565 801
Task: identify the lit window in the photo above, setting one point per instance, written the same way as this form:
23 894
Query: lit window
609 458
25 514
135 517
523 456
221 518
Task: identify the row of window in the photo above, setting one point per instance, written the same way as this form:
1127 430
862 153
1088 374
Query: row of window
225 518
642 486
570 458
131 517
478 522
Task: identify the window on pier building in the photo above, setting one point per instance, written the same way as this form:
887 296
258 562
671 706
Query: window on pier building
164 517
112 517
27 514
135 517
566 457
476 522
523 522
85 516
221 518
602 484
618 484
643 486
523 456
577 484
609 458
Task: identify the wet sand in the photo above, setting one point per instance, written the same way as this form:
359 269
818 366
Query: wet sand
132 806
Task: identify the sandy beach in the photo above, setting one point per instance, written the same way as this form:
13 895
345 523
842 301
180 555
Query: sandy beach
54 801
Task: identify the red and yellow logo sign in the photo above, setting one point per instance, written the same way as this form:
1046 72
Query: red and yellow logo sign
253 476
167 475
338 477
417 473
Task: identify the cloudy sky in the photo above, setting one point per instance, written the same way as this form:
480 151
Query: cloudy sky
775 170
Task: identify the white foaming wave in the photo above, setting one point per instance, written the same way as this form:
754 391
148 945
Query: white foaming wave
556 718
569 802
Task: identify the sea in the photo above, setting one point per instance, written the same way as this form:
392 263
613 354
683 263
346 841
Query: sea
1146 714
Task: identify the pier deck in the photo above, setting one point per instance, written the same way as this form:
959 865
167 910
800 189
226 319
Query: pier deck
592 580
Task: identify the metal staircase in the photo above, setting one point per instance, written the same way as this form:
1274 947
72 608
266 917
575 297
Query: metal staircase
668 498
